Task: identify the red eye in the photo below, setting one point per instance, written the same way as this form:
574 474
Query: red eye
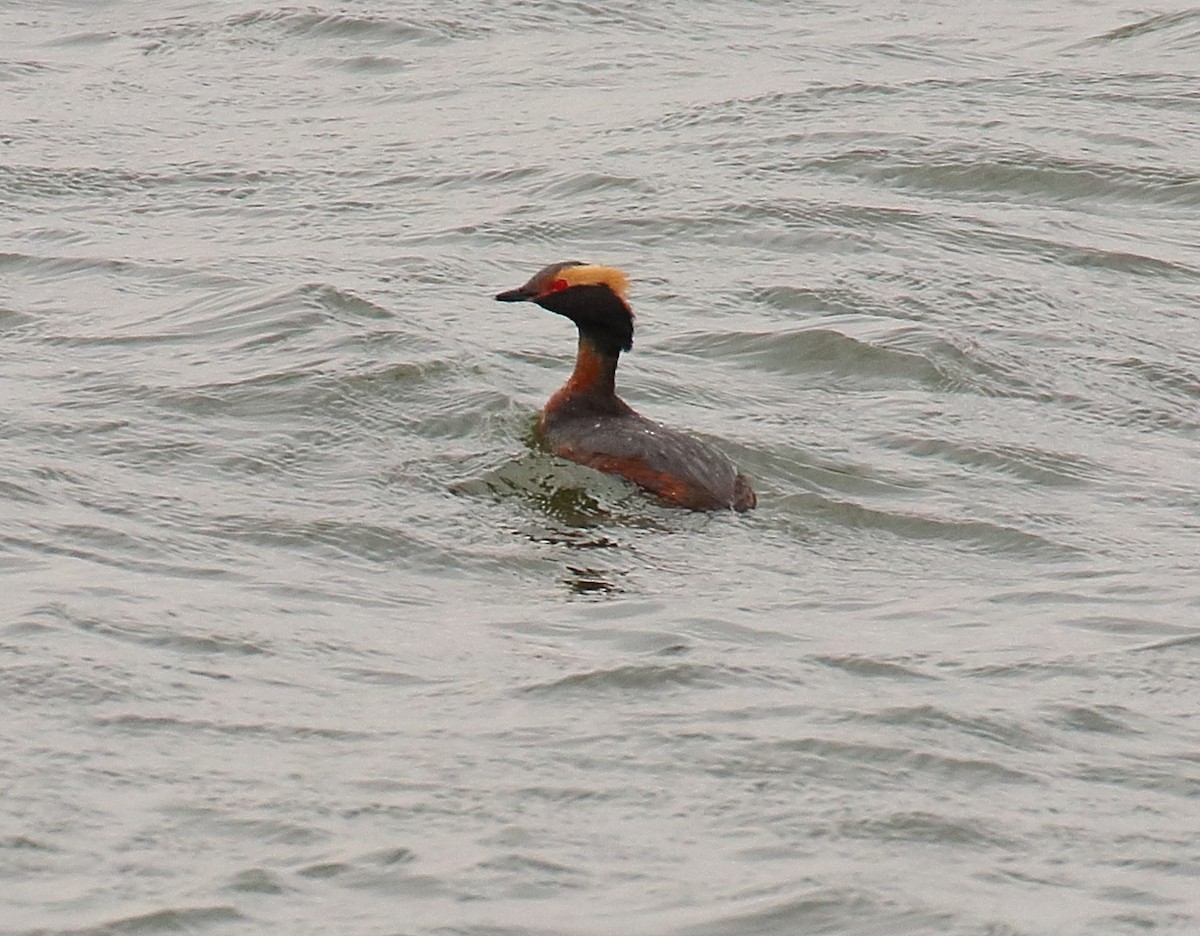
559 285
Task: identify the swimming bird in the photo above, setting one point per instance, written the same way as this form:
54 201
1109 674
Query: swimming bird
586 422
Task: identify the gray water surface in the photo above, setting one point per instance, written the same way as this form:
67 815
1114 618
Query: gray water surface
301 632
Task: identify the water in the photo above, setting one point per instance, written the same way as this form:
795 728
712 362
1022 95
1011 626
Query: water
301 631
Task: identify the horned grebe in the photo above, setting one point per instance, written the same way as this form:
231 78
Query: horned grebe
588 423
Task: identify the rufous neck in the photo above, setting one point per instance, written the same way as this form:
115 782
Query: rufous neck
595 371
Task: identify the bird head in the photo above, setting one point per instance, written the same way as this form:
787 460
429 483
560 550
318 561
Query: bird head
591 296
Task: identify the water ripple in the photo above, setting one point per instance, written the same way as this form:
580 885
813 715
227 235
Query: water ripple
299 608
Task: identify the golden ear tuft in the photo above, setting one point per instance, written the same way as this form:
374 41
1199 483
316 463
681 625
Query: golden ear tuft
592 275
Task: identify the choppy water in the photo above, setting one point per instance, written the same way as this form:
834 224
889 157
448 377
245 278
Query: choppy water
301 632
